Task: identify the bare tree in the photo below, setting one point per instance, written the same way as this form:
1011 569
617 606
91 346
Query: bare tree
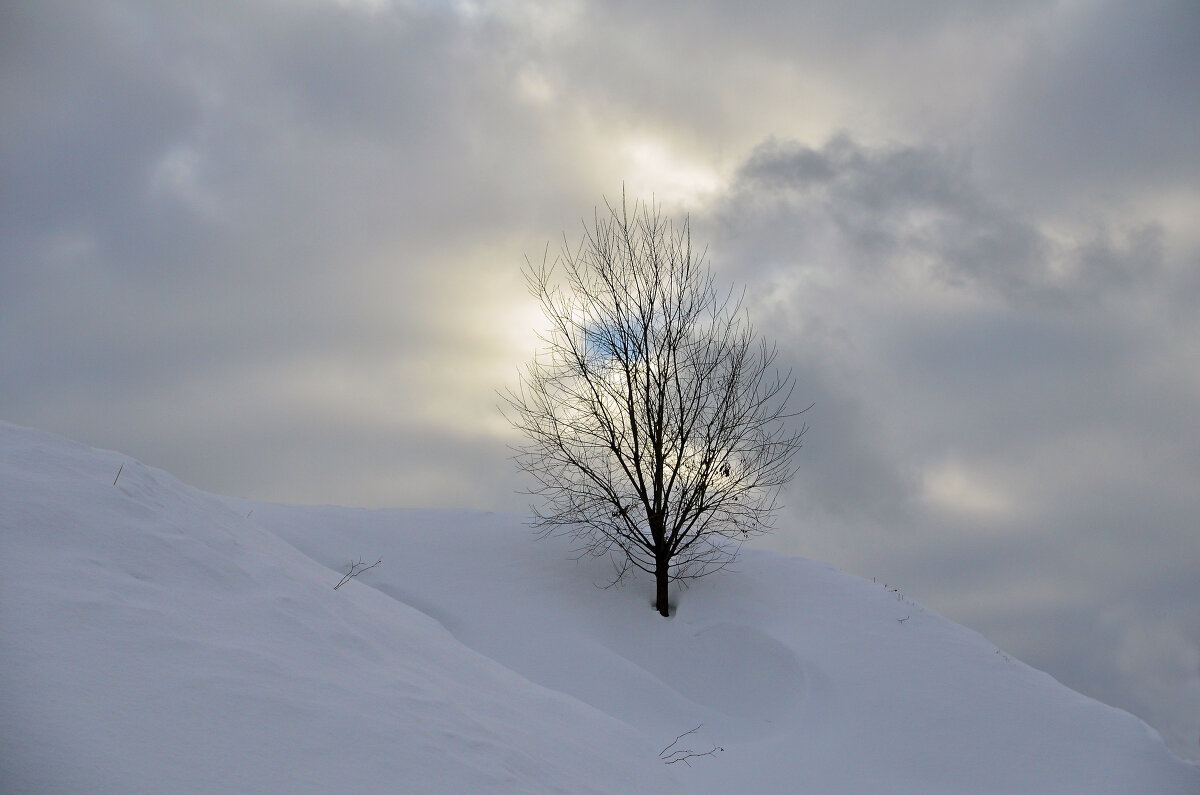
656 423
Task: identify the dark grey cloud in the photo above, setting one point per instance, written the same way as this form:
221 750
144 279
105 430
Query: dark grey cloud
901 210
896 208
273 247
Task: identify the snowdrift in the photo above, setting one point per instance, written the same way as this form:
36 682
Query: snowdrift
159 639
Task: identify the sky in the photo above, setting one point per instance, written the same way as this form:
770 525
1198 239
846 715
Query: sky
274 247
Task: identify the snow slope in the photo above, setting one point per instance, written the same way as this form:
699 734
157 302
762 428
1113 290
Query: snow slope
154 638
155 641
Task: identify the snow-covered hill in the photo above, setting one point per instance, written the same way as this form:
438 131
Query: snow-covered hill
154 638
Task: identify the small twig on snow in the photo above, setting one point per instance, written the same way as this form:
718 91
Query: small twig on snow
684 754
119 471
355 570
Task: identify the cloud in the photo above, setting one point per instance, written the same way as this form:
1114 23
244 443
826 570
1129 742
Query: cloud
916 215
1103 95
193 205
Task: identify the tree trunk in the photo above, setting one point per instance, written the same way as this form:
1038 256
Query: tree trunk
660 576
662 561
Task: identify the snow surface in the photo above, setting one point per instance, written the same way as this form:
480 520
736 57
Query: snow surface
159 639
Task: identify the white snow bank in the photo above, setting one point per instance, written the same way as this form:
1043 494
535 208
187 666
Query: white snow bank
156 639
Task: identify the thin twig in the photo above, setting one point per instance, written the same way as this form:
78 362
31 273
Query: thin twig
355 569
680 737
684 754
